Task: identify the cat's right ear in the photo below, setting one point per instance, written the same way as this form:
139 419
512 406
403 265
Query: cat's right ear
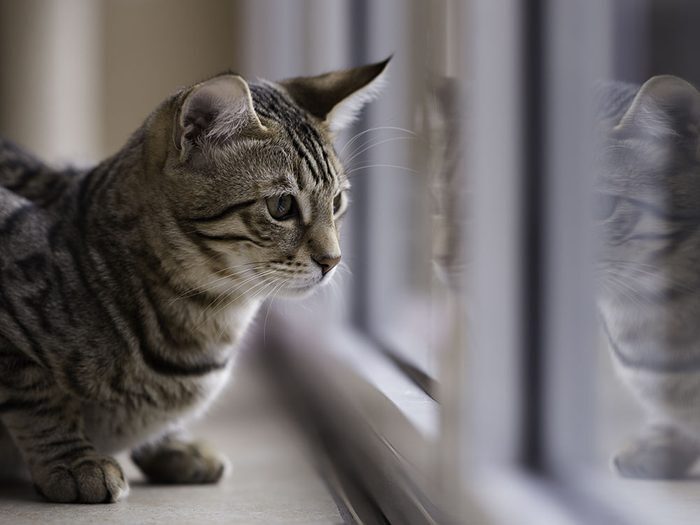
337 97
665 107
216 112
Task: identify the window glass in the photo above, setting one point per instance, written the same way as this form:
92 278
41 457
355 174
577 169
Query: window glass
648 218
398 238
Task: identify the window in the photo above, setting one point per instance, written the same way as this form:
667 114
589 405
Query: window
463 366
602 387
478 267
346 342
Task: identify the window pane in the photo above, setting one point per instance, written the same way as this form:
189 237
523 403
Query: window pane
627 411
397 237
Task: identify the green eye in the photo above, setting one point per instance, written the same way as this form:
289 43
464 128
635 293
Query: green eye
282 207
338 202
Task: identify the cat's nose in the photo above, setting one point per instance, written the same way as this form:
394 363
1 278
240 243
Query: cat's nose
327 262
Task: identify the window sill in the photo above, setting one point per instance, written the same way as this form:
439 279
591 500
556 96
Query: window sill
643 502
377 426
375 434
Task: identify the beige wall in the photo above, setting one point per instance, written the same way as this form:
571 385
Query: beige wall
78 76
48 76
151 48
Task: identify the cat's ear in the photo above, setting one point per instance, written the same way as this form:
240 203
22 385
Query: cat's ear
337 97
665 107
216 111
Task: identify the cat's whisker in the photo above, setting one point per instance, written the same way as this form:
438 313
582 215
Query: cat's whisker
635 264
260 289
333 297
639 269
626 290
223 298
229 275
239 272
257 287
230 269
368 146
250 278
666 279
364 132
260 286
207 287
368 166
337 299
272 287
239 266
344 269
269 306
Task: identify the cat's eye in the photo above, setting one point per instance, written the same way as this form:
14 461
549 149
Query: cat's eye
604 205
282 207
337 203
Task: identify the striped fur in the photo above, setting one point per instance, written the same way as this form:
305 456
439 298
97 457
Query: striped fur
649 300
125 288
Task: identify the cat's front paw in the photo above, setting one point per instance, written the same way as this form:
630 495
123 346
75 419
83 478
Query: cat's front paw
644 460
94 479
180 462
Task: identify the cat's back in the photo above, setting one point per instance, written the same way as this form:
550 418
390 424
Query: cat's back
21 224
25 176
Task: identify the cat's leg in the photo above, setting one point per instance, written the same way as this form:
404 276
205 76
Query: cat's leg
175 459
12 467
660 452
65 468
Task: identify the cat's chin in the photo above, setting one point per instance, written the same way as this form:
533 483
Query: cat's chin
304 290
299 292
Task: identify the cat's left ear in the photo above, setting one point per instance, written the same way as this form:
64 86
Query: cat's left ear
215 112
337 97
665 107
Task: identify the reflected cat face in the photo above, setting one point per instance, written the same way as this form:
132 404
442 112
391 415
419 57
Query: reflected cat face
648 191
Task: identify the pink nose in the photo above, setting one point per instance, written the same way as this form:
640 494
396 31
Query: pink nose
327 263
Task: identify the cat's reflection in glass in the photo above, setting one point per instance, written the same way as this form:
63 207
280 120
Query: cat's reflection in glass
648 218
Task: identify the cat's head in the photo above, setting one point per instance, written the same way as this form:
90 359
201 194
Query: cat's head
648 192
253 181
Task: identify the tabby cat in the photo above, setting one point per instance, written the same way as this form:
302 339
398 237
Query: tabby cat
650 265
124 288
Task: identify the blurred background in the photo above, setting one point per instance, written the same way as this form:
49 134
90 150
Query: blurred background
455 370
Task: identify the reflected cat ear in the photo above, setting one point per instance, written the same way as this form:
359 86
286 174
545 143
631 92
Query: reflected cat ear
664 107
337 97
217 111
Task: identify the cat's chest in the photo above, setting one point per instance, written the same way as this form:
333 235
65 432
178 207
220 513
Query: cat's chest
150 410
667 327
161 391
